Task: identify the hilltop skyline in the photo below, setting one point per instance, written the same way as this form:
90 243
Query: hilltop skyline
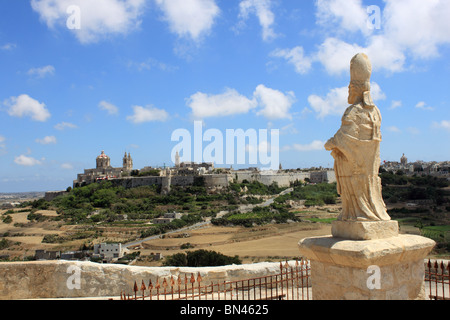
134 71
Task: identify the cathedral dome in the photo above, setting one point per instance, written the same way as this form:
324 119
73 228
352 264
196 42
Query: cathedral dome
103 156
103 161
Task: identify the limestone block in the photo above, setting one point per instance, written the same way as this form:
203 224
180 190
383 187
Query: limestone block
364 230
365 253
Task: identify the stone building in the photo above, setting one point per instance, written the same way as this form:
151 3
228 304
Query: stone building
127 162
47 255
104 170
404 160
103 161
168 218
109 250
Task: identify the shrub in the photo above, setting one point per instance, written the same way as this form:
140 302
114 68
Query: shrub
51 238
7 219
200 258
4 243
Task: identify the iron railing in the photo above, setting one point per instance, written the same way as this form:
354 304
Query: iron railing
437 280
292 283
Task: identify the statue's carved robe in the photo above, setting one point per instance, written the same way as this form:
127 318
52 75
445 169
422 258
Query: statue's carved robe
356 150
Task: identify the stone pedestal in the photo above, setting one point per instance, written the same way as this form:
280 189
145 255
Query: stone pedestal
364 230
391 268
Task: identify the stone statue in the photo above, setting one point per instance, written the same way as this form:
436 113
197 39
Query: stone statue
356 150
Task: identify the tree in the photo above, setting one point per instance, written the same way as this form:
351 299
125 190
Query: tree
4 244
7 219
176 260
200 258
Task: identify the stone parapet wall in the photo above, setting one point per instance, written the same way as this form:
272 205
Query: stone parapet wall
58 279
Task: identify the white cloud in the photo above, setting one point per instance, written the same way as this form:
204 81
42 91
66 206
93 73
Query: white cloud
342 15
65 125
98 19
8 46
108 107
24 105
67 166
335 55
313 146
408 29
334 103
336 100
150 64
147 114
47 140
228 103
376 92
393 129
416 27
289 129
262 9
271 103
413 130
423 106
189 18
296 57
395 104
274 104
444 124
42 72
26 161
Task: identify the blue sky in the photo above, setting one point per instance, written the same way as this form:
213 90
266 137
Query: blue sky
133 71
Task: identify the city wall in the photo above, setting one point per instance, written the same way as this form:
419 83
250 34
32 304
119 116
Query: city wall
283 179
58 279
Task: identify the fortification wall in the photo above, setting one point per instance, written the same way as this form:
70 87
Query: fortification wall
50 195
250 176
145 181
133 182
57 279
217 180
182 181
284 179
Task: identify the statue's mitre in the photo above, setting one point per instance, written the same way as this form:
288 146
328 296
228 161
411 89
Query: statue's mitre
360 68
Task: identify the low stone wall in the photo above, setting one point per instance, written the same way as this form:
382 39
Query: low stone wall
58 279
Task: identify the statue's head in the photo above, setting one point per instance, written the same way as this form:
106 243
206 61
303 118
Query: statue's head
360 72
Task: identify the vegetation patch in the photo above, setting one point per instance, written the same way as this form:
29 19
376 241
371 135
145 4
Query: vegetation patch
200 258
258 216
321 220
313 194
